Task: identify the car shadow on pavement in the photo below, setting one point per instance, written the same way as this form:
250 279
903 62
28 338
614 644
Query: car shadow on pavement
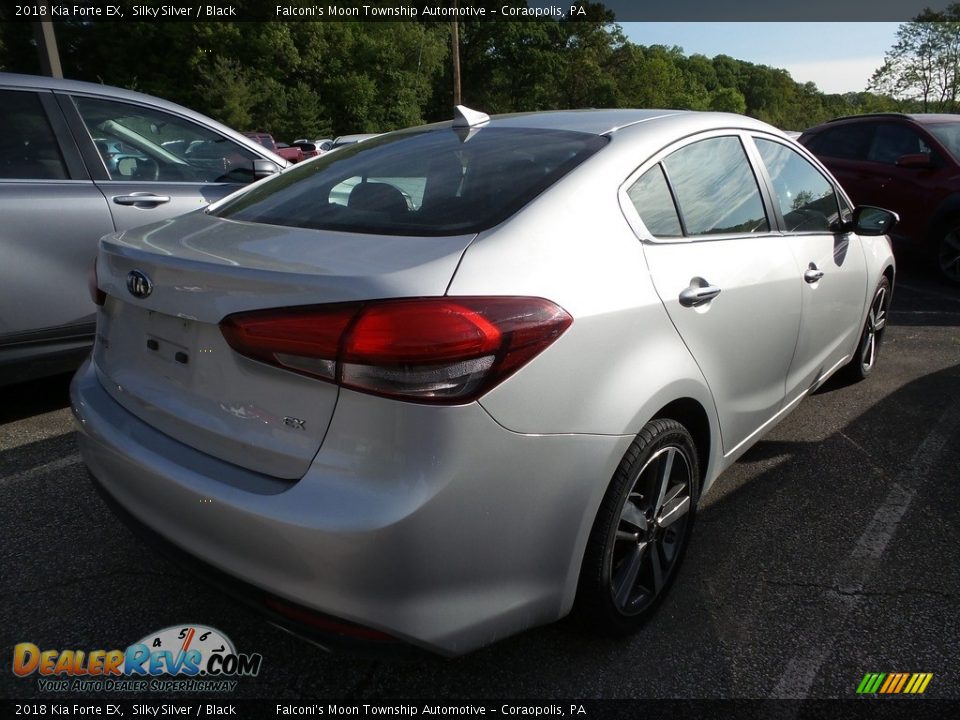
34 397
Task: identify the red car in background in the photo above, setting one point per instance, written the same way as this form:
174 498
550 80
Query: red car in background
905 163
291 154
310 150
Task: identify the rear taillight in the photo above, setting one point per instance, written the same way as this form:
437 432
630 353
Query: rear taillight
433 350
98 296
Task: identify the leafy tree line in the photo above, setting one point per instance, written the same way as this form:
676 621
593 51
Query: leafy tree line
922 70
318 79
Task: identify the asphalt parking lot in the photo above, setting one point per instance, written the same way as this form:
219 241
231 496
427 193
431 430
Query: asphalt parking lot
828 552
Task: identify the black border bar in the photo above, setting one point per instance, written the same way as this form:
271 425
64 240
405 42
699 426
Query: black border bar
466 10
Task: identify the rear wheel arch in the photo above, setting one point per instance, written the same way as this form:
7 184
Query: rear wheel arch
640 532
889 274
693 416
946 213
690 413
943 243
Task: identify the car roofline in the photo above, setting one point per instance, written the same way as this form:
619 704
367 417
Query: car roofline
603 122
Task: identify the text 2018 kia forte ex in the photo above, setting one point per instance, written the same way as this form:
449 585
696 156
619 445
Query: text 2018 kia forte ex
452 382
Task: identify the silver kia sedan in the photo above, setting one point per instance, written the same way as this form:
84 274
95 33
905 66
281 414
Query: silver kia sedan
455 381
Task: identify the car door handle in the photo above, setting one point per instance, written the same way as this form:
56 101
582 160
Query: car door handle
695 296
141 199
812 274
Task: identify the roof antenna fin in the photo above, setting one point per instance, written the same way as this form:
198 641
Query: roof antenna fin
465 117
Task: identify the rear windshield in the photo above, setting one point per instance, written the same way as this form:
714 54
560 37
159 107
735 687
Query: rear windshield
430 182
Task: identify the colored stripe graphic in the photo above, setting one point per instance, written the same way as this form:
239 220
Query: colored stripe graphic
870 683
894 683
891 681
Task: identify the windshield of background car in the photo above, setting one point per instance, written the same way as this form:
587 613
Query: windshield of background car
949 135
431 182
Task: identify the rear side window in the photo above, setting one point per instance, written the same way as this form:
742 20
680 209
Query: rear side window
846 142
807 200
651 197
715 188
432 182
28 146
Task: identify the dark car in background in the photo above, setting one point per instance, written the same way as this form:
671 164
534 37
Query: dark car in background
80 160
907 163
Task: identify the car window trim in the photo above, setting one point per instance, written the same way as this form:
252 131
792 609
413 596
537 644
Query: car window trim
673 197
88 150
636 223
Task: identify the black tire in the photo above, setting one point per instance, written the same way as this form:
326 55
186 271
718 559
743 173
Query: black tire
865 357
641 530
947 252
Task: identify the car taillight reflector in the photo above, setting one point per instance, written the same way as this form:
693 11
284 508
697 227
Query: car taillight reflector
325 623
434 350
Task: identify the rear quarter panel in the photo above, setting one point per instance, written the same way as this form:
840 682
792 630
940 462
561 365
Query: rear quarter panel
621 360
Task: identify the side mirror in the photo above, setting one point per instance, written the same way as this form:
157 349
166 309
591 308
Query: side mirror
869 220
915 160
264 168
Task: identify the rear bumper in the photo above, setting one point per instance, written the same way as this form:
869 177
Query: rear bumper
434 525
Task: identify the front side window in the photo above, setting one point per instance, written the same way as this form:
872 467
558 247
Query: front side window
892 141
715 188
807 200
429 183
28 146
138 143
949 134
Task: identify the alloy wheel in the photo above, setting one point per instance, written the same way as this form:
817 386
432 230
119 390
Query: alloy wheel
651 530
876 322
948 255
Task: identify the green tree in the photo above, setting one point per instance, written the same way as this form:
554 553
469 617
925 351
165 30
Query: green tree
728 99
924 64
316 79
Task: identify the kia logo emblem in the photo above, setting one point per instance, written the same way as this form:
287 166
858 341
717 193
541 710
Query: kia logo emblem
138 283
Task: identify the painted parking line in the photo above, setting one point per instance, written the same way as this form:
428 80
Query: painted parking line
40 470
954 313
845 592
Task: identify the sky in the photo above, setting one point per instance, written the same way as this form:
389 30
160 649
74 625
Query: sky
838 57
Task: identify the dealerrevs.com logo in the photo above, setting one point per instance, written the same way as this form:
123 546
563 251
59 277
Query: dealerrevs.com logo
182 658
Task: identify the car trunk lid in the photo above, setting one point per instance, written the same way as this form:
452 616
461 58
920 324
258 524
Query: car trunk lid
164 358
